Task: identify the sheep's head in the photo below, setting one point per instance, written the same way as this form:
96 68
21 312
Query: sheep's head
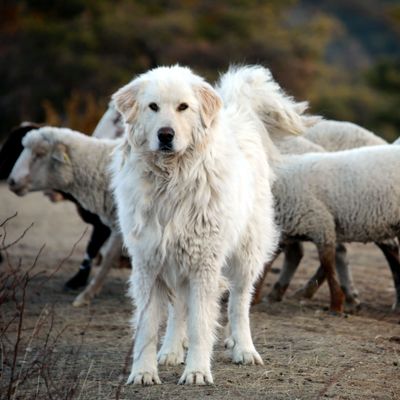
43 164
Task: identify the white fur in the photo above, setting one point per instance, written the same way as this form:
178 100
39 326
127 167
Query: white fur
341 135
71 162
110 125
340 197
334 136
188 215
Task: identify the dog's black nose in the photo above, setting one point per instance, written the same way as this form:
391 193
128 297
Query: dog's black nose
165 136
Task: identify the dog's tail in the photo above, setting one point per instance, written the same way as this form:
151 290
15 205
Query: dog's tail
254 85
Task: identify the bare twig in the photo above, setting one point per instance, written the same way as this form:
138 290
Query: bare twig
8 219
7 246
18 339
14 283
64 260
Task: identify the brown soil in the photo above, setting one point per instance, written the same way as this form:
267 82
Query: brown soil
308 353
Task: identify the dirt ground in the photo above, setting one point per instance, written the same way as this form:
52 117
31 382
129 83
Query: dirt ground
308 353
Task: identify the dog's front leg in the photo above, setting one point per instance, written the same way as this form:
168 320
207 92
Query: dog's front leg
243 268
150 296
172 351
202 321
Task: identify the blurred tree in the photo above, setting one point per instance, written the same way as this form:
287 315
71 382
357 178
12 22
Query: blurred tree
61 60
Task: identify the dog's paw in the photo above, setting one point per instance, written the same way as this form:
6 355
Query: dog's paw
144 378
229 343
249 357
196 378
172 358
242 355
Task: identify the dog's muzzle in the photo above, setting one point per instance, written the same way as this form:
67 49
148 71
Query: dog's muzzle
166 138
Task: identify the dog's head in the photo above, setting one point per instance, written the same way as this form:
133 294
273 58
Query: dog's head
167 109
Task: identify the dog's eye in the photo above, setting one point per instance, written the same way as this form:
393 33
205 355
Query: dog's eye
182 107
154 107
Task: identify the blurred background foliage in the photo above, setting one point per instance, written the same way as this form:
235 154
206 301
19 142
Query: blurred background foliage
60 60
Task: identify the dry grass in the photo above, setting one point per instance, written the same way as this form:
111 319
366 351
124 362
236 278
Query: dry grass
69 353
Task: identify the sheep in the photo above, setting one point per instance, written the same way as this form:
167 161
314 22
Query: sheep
335 135
340 135
312 200
73 163
9 153
297 145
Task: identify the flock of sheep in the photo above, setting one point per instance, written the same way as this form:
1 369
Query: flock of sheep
335 183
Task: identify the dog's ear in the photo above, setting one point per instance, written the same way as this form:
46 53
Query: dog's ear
125 101
210 103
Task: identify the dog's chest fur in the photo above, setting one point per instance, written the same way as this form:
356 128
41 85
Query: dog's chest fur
176 219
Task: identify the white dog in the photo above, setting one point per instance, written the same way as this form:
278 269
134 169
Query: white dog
192 184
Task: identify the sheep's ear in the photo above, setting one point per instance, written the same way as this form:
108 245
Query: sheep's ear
125 100
210 104
60 154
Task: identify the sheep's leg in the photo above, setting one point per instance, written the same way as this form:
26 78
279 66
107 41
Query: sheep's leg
312 285
391 251
327 259
172 351
257 296
345 277
98 237
293 254
111 254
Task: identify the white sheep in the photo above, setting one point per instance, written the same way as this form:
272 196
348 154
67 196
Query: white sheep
313 200
340 135
334 135
71 162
